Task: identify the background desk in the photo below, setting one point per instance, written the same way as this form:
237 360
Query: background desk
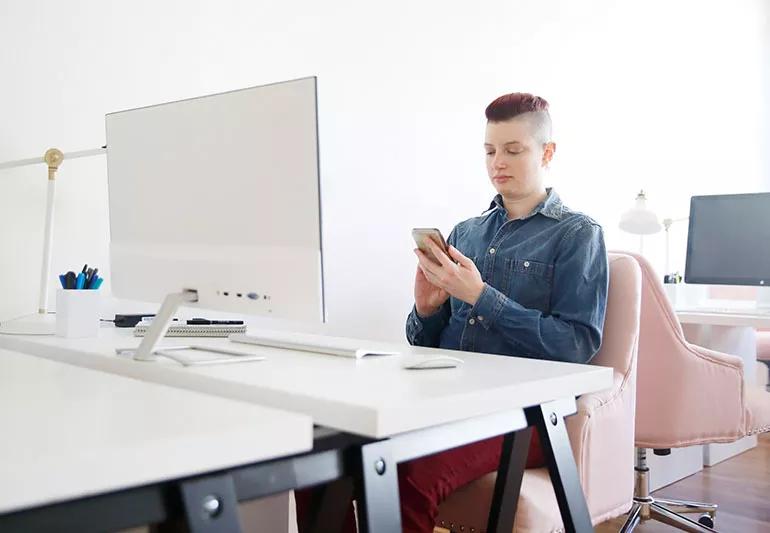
70 433
417 412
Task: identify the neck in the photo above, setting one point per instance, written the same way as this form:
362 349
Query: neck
521 206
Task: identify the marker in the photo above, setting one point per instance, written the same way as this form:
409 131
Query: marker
90 280
80 281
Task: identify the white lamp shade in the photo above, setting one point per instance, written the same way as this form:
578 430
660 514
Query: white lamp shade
640 220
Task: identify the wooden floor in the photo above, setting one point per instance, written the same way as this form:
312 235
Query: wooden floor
740 486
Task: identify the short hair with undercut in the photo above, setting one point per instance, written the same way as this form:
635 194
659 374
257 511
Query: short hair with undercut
523 106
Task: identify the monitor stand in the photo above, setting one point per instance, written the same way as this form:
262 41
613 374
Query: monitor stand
149 350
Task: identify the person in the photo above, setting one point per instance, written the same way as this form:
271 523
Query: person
527 278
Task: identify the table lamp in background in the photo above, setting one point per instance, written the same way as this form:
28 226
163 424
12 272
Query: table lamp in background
640 220
42 323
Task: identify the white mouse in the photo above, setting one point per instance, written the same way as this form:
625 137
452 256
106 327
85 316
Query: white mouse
433 361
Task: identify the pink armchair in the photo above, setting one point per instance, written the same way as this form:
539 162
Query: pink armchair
601 432
686 395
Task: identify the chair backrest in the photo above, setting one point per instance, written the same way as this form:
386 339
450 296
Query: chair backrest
621 323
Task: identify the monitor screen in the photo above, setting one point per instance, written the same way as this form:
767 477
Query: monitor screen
220 195
729 240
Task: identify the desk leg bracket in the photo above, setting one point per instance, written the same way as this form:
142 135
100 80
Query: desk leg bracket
210 504
379 508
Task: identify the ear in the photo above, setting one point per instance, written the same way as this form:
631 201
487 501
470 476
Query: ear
548 150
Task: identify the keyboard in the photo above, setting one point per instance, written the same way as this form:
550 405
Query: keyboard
306 342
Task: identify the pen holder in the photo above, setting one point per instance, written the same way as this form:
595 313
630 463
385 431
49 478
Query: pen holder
77 313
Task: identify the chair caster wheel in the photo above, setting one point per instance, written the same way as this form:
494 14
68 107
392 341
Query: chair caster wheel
706 520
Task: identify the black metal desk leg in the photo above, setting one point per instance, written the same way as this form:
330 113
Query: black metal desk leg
549 423
330 505
210 504
379 508
513 460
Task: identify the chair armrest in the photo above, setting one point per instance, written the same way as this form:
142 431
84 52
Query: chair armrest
695 396
602 438
719 358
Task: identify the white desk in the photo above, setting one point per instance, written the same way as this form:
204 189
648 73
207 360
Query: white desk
69 433
744 319
424 411
373 397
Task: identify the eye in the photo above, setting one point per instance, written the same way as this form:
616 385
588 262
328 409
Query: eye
490 153
515 152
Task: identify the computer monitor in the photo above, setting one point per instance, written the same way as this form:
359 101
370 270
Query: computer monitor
217 198
729 240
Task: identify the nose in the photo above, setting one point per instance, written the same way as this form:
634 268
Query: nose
497 162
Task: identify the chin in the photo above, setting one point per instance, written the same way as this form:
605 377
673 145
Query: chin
507 189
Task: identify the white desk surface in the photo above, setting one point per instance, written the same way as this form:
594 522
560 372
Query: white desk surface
69 432
373 397
746 320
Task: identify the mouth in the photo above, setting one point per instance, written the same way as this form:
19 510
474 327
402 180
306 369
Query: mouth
501 179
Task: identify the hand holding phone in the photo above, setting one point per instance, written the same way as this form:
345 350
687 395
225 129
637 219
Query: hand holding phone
435 281
428 298
421 237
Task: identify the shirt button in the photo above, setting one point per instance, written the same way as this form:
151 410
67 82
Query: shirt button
526 264
491 250
471 322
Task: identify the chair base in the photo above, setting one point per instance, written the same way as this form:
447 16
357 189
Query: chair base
670 512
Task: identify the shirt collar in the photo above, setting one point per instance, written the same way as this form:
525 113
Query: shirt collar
550 207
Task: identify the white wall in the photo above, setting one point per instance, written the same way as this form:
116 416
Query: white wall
661 95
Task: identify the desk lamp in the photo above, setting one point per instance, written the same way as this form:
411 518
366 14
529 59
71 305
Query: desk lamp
640 220
42 323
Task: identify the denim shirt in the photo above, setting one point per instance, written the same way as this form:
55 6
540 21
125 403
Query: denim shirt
545 286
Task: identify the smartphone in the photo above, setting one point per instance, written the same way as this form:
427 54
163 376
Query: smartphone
421 236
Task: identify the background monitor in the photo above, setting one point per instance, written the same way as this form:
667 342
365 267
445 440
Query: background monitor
729 240
220 194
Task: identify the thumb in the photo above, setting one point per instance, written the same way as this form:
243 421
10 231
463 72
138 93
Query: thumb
455 254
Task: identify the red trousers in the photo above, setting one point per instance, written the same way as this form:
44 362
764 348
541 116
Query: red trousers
426 482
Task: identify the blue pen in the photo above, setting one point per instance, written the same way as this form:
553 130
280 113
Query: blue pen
63 281
97 283
80 281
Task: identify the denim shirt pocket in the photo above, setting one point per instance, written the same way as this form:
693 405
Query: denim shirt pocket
529 283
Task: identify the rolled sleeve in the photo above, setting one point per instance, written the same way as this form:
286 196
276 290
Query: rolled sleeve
426 331
488 307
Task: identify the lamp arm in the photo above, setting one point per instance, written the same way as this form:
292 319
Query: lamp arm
667 223
67 155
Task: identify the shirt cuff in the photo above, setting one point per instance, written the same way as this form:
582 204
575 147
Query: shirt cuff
488 306
426 321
